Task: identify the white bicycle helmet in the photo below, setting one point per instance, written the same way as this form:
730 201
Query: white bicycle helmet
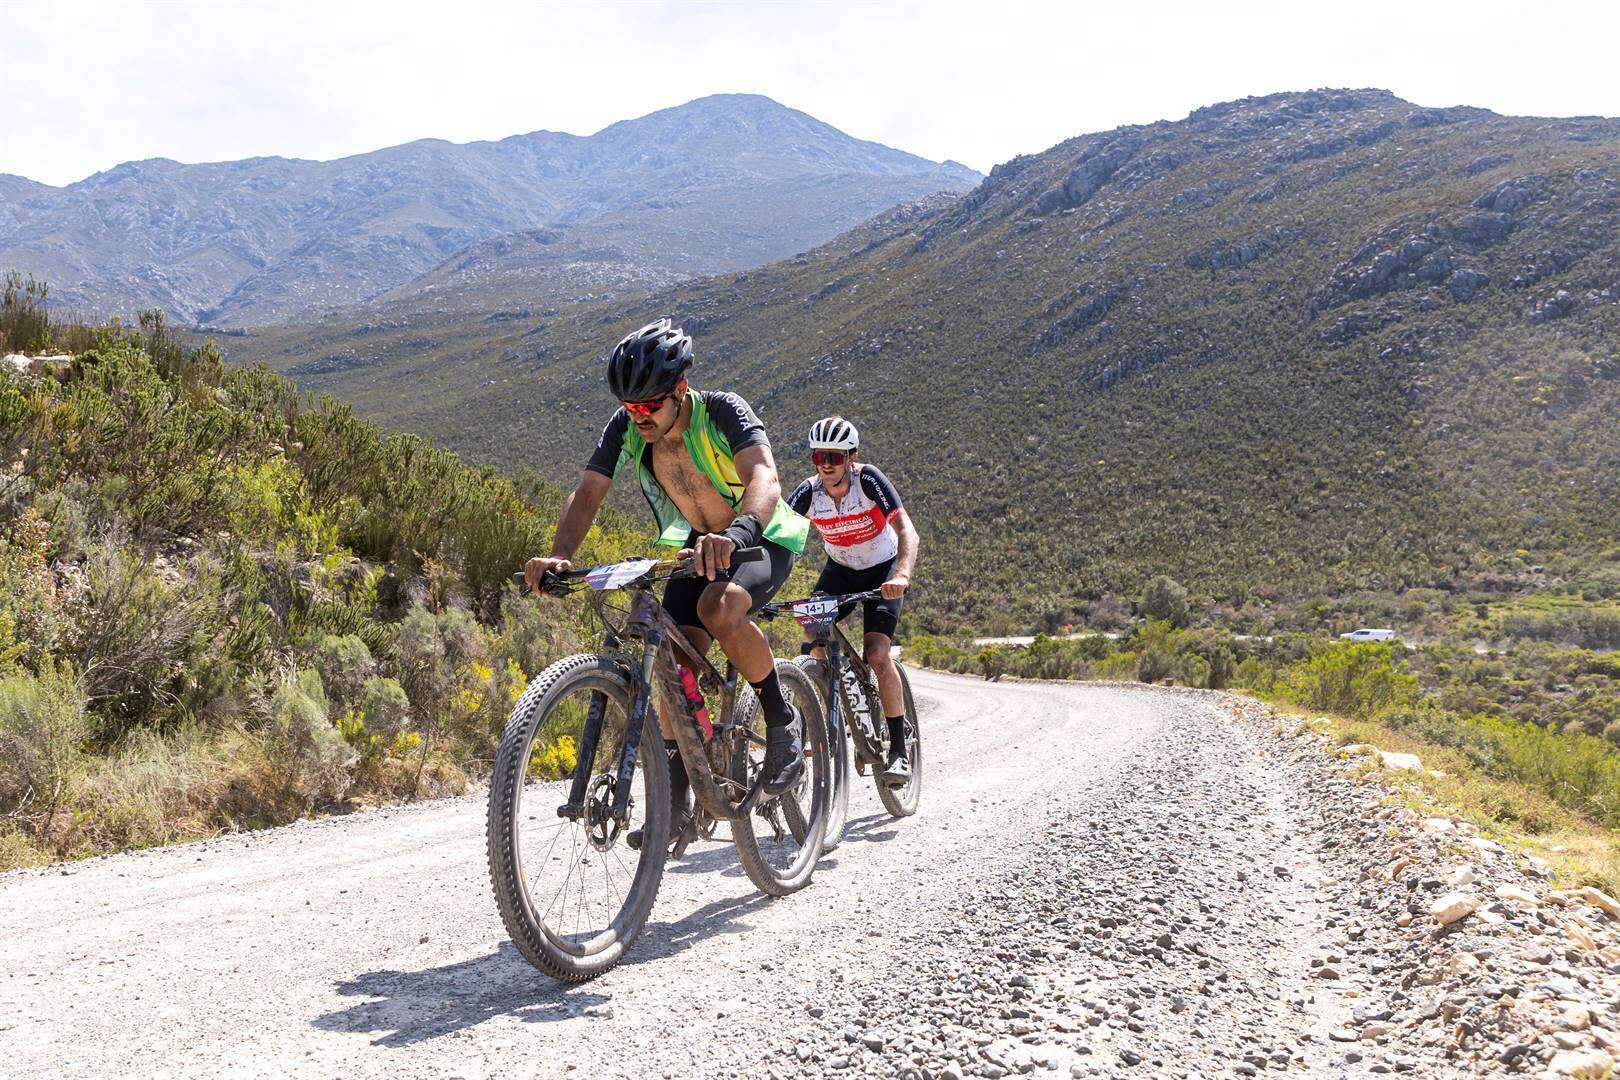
834 433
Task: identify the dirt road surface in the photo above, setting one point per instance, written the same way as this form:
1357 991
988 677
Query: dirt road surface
1101 880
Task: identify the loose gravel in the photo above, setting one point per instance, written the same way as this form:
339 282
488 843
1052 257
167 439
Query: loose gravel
1104 880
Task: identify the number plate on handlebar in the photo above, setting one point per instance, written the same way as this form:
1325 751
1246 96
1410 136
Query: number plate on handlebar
617 575
815 615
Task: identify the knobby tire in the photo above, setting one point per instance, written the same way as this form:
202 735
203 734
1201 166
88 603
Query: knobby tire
534 939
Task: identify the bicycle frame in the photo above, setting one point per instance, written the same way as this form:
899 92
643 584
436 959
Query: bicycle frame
662 646
840 651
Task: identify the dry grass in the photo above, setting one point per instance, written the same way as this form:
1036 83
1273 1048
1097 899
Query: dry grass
1580 850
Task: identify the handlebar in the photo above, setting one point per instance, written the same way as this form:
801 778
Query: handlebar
561 583
783 607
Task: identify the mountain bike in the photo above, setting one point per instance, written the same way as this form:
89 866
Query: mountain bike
582 765
853 708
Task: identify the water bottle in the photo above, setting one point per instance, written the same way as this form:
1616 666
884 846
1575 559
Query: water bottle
695 702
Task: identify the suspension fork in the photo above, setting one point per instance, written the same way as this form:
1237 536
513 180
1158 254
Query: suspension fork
835 696
589 739
634 725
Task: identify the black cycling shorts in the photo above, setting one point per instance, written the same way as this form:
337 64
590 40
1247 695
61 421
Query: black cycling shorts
879 615
761 579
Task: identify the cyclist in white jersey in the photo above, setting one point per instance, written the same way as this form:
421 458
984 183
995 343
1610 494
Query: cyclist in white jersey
870 544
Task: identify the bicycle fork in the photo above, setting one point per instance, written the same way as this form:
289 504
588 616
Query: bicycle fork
591 738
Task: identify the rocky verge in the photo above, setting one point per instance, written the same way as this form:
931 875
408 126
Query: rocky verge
1254 901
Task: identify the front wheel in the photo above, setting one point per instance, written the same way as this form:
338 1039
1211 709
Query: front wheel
902 801
780 841
837 752
572 893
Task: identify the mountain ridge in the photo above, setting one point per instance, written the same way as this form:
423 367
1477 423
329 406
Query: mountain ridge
1252 348
269 238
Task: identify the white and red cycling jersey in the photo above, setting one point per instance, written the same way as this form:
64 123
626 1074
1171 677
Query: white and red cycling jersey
854 529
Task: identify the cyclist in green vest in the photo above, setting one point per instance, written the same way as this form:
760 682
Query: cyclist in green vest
704 464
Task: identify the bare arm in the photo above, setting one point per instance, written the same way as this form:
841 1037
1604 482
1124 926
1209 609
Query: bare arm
905 560
578 513
761 487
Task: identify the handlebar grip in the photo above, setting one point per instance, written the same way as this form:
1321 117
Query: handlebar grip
747 555
550 582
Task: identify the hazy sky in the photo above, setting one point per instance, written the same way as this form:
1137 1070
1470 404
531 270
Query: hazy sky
84 86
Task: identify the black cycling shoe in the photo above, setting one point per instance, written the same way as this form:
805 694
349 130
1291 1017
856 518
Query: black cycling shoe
677 824
784 755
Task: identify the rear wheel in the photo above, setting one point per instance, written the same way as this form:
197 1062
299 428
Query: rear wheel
780 840
902 801
572 894
837 754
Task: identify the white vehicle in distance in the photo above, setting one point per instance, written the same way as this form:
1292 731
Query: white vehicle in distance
1369 635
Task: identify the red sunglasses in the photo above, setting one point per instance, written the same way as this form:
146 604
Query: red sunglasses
829 458
645 409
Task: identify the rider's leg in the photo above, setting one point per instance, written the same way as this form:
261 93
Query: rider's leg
876 651
882 618
724 609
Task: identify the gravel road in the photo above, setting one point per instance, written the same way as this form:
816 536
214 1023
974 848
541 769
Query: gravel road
1102 880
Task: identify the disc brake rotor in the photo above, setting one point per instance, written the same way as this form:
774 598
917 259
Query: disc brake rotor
601 827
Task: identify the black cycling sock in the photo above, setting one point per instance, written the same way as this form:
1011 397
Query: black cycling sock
772 701
897 731
679 783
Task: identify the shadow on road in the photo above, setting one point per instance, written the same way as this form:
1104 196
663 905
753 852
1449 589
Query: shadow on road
866 828
419 1006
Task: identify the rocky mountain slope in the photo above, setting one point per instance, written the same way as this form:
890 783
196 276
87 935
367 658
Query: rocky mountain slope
1303 343
717 184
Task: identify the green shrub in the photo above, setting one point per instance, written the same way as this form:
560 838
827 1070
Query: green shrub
1251 674
1166 600
314 755
1193 670
346 667
44 733
384 707
25 324
1120 665
1155 664
146 641
1357 680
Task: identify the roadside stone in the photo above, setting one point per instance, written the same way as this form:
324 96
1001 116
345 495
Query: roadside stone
1581 1063
1453 906
1518 895
1575 1018
1601 900
1400 762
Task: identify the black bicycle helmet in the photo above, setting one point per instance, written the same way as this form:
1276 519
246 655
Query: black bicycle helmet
648 363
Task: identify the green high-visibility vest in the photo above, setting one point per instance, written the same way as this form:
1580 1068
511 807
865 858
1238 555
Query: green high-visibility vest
711 453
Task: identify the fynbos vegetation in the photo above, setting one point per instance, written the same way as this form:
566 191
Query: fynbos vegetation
224 603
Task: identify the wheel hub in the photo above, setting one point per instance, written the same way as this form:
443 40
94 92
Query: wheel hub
601 827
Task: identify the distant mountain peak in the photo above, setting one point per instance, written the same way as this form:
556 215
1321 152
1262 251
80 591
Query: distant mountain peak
268 239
